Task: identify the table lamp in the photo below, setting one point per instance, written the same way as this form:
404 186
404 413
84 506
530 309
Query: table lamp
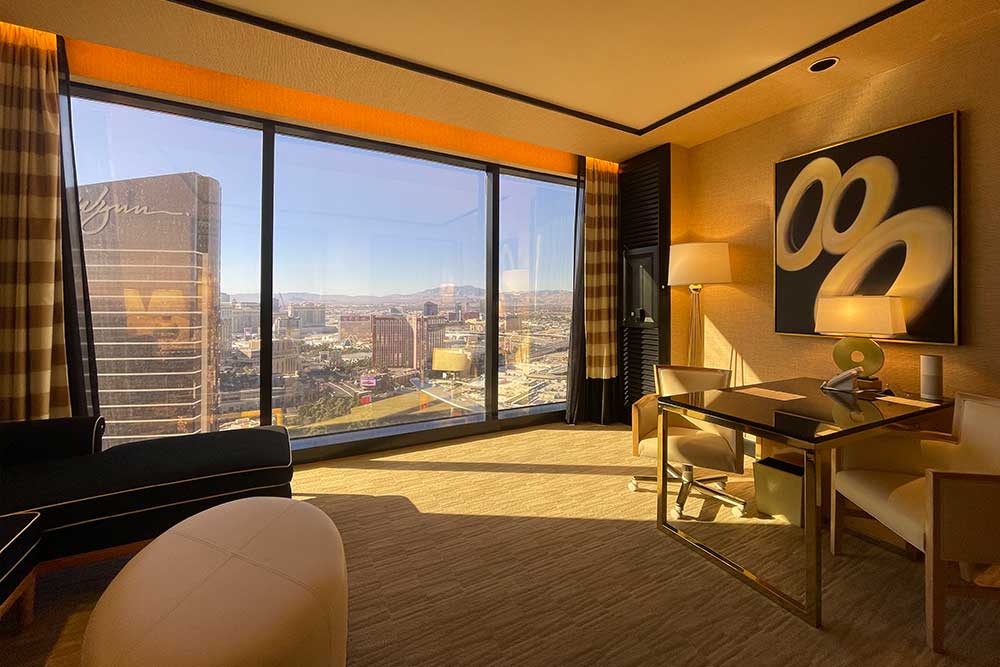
696 265
450 360
859 319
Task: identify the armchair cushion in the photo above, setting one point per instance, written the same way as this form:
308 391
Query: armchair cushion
649 446
895 499
692 446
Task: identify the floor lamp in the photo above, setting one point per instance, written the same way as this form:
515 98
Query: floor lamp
697 265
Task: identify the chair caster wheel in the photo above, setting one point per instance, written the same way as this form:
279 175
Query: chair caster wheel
633 486
676 514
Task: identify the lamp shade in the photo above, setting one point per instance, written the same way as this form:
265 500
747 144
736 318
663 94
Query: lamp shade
865 316
515 280
450 360
699 263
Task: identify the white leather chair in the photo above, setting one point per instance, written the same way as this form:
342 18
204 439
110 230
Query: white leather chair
690 443
937 491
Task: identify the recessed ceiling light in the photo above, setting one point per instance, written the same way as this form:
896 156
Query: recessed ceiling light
823 64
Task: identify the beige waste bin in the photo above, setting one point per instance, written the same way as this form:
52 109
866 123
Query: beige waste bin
778 485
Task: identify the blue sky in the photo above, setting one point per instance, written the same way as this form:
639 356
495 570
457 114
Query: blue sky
347 220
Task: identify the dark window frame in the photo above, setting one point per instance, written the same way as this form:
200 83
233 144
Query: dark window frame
349 443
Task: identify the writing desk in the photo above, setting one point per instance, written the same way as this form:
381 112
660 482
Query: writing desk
796 413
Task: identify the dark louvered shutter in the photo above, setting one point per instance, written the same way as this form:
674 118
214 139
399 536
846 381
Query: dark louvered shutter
644 196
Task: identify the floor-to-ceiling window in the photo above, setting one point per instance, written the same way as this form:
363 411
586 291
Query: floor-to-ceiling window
395 282
170 208
379 288
537 220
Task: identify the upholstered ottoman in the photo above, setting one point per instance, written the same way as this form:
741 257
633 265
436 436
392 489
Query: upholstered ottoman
258 581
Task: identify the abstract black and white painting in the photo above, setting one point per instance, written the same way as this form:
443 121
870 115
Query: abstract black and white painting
872 216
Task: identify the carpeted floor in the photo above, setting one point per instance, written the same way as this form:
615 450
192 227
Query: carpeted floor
526 548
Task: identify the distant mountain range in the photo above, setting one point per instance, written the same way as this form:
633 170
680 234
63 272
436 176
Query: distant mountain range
440 295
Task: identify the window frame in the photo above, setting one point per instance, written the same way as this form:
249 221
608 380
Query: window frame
349 443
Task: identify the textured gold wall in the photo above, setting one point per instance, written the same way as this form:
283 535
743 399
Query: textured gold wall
730 196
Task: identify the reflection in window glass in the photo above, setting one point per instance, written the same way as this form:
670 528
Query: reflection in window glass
170 208
379 276
536 290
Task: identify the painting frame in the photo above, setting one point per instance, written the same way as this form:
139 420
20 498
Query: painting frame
954 292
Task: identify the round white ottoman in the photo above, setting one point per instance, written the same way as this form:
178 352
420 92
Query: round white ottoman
258 581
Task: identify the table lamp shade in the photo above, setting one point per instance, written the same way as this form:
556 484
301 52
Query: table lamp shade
515 280
862 316
699 264
450 360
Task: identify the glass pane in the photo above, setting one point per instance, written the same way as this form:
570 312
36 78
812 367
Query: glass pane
536 290
640 289
379 277
170 208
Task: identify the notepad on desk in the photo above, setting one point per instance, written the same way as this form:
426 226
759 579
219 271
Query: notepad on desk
770 393
907 401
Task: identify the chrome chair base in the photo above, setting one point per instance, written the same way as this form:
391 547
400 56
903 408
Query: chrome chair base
687 480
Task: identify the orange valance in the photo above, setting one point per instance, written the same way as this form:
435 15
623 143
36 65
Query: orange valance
157 75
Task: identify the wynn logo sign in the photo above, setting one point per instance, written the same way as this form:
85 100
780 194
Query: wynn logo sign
96 214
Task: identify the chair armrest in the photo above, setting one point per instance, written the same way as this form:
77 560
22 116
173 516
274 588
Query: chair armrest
49 439
962 523
912 431
644 418
897 450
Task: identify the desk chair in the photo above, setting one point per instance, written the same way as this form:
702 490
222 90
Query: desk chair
937 491
690 443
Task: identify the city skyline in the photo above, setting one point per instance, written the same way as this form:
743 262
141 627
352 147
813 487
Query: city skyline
379 270
428 293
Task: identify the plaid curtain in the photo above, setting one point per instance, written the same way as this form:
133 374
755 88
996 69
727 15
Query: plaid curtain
600 277
33 374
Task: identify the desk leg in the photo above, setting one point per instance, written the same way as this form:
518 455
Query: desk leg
808 610
661 480
814 575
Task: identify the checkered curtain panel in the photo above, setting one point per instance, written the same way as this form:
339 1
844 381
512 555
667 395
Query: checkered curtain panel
600 260
33 375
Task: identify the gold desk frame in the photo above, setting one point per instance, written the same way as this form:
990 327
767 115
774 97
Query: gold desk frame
811 610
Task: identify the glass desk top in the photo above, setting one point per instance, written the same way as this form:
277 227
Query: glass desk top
798 409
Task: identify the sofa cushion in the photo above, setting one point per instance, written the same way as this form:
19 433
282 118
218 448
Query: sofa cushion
692 446
896 500
147 475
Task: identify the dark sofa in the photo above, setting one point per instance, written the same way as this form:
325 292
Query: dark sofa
89 499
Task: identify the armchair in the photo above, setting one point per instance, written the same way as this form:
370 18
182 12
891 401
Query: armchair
938 492
689 443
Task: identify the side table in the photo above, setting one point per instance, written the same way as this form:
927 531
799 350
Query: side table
19 536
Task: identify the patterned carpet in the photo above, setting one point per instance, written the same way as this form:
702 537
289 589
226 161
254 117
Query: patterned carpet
526 548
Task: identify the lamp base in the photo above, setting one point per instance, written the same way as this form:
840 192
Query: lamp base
695 333
868 384
852 352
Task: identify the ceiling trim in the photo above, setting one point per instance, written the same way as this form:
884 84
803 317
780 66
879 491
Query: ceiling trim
371 54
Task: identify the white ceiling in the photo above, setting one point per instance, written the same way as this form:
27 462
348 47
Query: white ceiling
630 78
630 61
